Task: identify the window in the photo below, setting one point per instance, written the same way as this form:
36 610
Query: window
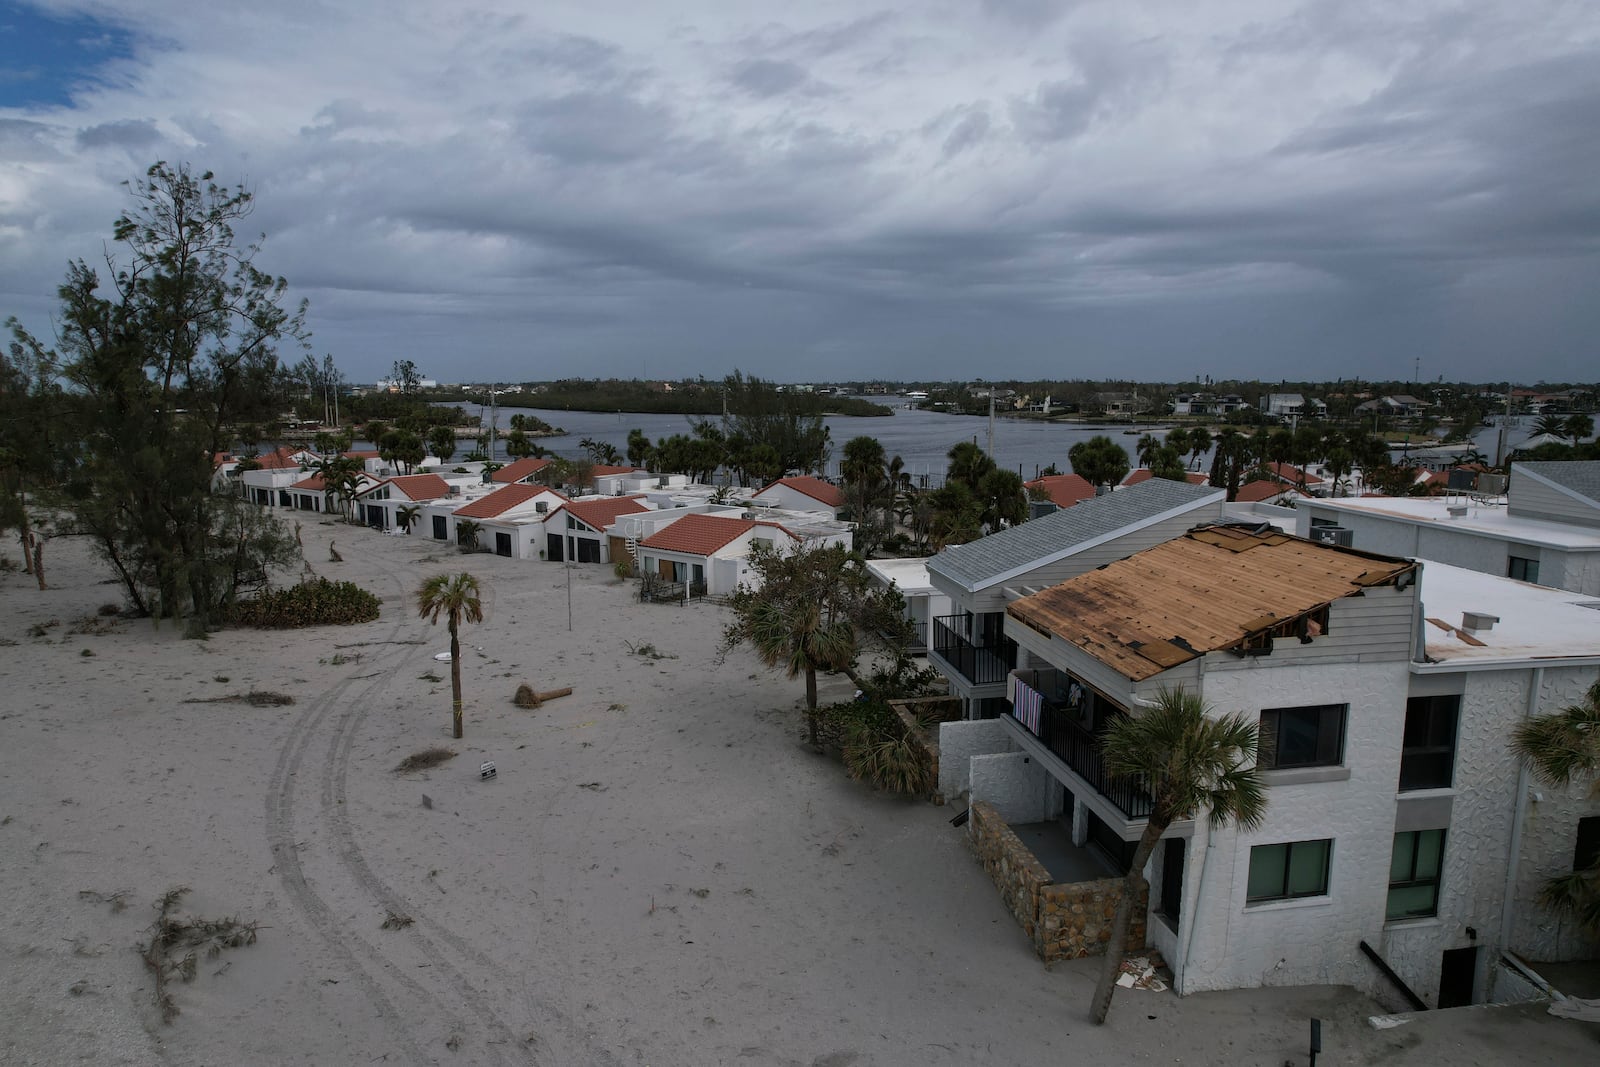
1414 874
1587 852
1302 737
1428 753
1523 569
1288 871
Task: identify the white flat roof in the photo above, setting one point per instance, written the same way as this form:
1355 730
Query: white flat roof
1482 520
911 575
1537 624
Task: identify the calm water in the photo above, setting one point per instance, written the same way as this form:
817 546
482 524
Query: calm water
922 438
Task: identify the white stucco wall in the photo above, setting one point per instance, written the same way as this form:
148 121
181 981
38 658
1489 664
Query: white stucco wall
1014 783
1315 940
961 740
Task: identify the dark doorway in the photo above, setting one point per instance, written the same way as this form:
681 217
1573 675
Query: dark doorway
553 545
441 529
1172 879
1458 973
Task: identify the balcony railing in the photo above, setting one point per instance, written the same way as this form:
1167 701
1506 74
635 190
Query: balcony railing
978 664
1079 748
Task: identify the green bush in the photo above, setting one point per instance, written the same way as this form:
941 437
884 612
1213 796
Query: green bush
317 603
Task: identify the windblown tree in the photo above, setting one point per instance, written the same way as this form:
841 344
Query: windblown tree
815 609
1562 747
459 598
1191 762
169 352
969 465
1099 460
787 421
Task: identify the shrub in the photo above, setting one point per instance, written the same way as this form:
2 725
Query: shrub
316 603
894 764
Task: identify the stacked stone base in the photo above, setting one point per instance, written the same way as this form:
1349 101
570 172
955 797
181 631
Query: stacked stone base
1063 920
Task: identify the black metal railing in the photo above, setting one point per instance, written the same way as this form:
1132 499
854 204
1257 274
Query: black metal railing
1061 731
978 664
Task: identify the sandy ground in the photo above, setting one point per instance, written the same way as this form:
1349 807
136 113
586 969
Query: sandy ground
660 874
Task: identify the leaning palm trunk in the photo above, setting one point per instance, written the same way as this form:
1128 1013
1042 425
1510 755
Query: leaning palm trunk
1122 918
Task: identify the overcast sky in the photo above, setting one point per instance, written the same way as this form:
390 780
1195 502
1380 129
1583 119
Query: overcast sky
827 190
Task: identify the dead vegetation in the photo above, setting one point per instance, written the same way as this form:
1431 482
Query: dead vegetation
95 625
177 942
118 899
396 920
425 760
256 698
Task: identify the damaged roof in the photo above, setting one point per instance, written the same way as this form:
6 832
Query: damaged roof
1206 591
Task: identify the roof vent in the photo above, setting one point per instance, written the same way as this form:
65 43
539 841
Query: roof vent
1478 620
1457 510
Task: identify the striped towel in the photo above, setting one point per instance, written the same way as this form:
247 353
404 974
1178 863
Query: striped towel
1027 706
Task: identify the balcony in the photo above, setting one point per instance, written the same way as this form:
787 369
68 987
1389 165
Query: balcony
979 664
1061 730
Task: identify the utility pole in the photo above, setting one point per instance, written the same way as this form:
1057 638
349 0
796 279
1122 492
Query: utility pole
991 422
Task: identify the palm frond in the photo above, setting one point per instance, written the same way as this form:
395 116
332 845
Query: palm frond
1189 759
1562 745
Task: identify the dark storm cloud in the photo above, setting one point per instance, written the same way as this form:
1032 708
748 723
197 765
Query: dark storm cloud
1243 188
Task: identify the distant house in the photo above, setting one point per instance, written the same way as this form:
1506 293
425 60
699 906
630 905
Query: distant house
1401 405
613 481
521 470
1266 491
802 493
378 504
267 482
511 519
576 530
710 553
1063 490
1287 405
1207 404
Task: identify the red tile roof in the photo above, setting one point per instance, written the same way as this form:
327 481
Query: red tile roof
363 454
501 501
1262 489
420 486
815 488
698 535
1143 475
602 511
1064 490
280 459
602 471
516 472
1292 474
313 484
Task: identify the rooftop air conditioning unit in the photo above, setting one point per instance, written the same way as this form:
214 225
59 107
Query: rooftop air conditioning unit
1492 484
455 490
1333 535
661 482
1038 509
1457 511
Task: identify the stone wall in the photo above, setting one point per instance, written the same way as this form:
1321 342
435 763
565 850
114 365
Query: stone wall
1062 920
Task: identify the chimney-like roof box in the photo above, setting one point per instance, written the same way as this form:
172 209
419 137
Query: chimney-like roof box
1478 620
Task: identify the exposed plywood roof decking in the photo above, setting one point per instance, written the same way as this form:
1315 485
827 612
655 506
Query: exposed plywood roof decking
1209 590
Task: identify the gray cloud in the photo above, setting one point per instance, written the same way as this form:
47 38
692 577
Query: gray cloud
1083 187
124 133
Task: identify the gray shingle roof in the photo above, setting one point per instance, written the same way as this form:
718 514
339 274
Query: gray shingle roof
1055 535
1577 475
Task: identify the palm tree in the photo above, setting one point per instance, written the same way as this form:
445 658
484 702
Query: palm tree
467 534
1559 747
1099 460
1199 443
406 515
459 599
442 439
1149 444
968 464
1189 760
